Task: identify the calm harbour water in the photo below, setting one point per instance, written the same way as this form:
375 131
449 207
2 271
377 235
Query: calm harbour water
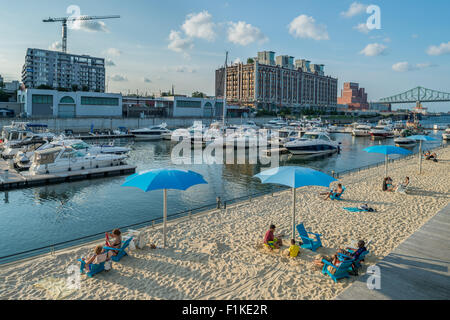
36 217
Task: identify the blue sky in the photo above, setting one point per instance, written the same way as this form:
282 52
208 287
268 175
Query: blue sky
159 43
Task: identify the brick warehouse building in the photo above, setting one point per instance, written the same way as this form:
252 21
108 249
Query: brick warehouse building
266 84
354 96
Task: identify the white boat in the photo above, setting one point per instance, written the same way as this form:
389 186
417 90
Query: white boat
361 130
12 147
313 143
404 142
153 133
284 135
446 134
23 158
19 131
382 131
276 124
64 159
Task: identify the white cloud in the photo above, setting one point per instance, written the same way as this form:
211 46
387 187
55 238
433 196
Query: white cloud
354 9
88 25
362 27
199 25
109 62
406 66
185 69
305 27
244 34
113 52
179 44
55 46
374 49
443 48
119 78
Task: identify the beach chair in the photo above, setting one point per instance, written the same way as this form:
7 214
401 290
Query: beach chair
341 270
357 262
121 251
93 268
309 243
335 196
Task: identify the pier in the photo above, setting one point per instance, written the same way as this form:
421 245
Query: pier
10 179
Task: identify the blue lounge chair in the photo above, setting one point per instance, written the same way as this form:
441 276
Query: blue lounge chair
309 243
121 251
93 268
357 262
341 270
337 196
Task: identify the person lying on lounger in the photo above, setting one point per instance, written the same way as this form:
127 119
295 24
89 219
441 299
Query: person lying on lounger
270 240
293 250
402 186
335 192
99 256
116 242
431 156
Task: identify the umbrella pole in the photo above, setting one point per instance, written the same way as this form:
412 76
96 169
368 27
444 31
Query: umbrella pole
420 157
165 218
293 213
386 166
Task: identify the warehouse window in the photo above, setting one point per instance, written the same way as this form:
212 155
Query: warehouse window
97 101
67 99
188 104
42 99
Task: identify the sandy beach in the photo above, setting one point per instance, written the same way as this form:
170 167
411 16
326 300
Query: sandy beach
220 256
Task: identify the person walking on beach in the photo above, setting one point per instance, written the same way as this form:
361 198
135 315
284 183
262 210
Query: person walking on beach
269 239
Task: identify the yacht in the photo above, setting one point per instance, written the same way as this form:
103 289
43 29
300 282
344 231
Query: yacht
19 131
153 133
361 130
285 135
23 158
404 142
446 134
313 143
276 124
63 159
382 131
12 148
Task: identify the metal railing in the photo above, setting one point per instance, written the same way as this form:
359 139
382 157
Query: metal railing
187 213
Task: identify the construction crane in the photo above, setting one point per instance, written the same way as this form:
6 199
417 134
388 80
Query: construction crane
64 21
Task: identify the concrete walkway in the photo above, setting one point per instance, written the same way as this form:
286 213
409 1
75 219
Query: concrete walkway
416 269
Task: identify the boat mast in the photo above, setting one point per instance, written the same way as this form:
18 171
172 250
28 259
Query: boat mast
225 90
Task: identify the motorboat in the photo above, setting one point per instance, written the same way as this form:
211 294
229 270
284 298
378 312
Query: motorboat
12 148
153 133
23 158
446 134
382 131
284 135
62 159
361 130
250 125
404 142
313 143
276 123
19 131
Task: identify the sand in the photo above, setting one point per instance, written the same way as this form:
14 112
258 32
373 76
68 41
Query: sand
219 256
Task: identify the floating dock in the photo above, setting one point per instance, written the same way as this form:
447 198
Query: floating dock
10 179
105 137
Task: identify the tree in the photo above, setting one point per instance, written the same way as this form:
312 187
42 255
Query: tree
74 87
250 61
4 97
198 94
45 87
84 88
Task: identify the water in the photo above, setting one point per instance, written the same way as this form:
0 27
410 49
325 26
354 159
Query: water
41 216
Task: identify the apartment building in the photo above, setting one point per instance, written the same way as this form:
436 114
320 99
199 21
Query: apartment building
60 70
272 85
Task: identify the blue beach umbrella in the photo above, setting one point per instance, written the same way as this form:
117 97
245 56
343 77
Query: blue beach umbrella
421 138
164 179
387 150
295 177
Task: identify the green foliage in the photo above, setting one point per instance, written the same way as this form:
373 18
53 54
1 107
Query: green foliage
4 97
45 87
198 94
250 61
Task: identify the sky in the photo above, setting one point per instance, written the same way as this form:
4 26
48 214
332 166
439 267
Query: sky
156 44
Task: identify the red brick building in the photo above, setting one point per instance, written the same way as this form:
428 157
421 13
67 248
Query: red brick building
353 96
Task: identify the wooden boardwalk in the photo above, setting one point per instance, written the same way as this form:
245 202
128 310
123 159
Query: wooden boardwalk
416 269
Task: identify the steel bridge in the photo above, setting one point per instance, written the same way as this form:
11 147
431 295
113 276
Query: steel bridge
417 95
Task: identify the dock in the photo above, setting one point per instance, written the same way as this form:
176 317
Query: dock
105 137
416 270
10 179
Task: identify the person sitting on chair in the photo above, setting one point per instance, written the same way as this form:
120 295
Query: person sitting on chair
335 192
117 243
355 252
387 184
402 186
270 240
99 256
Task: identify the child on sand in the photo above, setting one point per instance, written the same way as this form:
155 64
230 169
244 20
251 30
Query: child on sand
270 241
293 250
